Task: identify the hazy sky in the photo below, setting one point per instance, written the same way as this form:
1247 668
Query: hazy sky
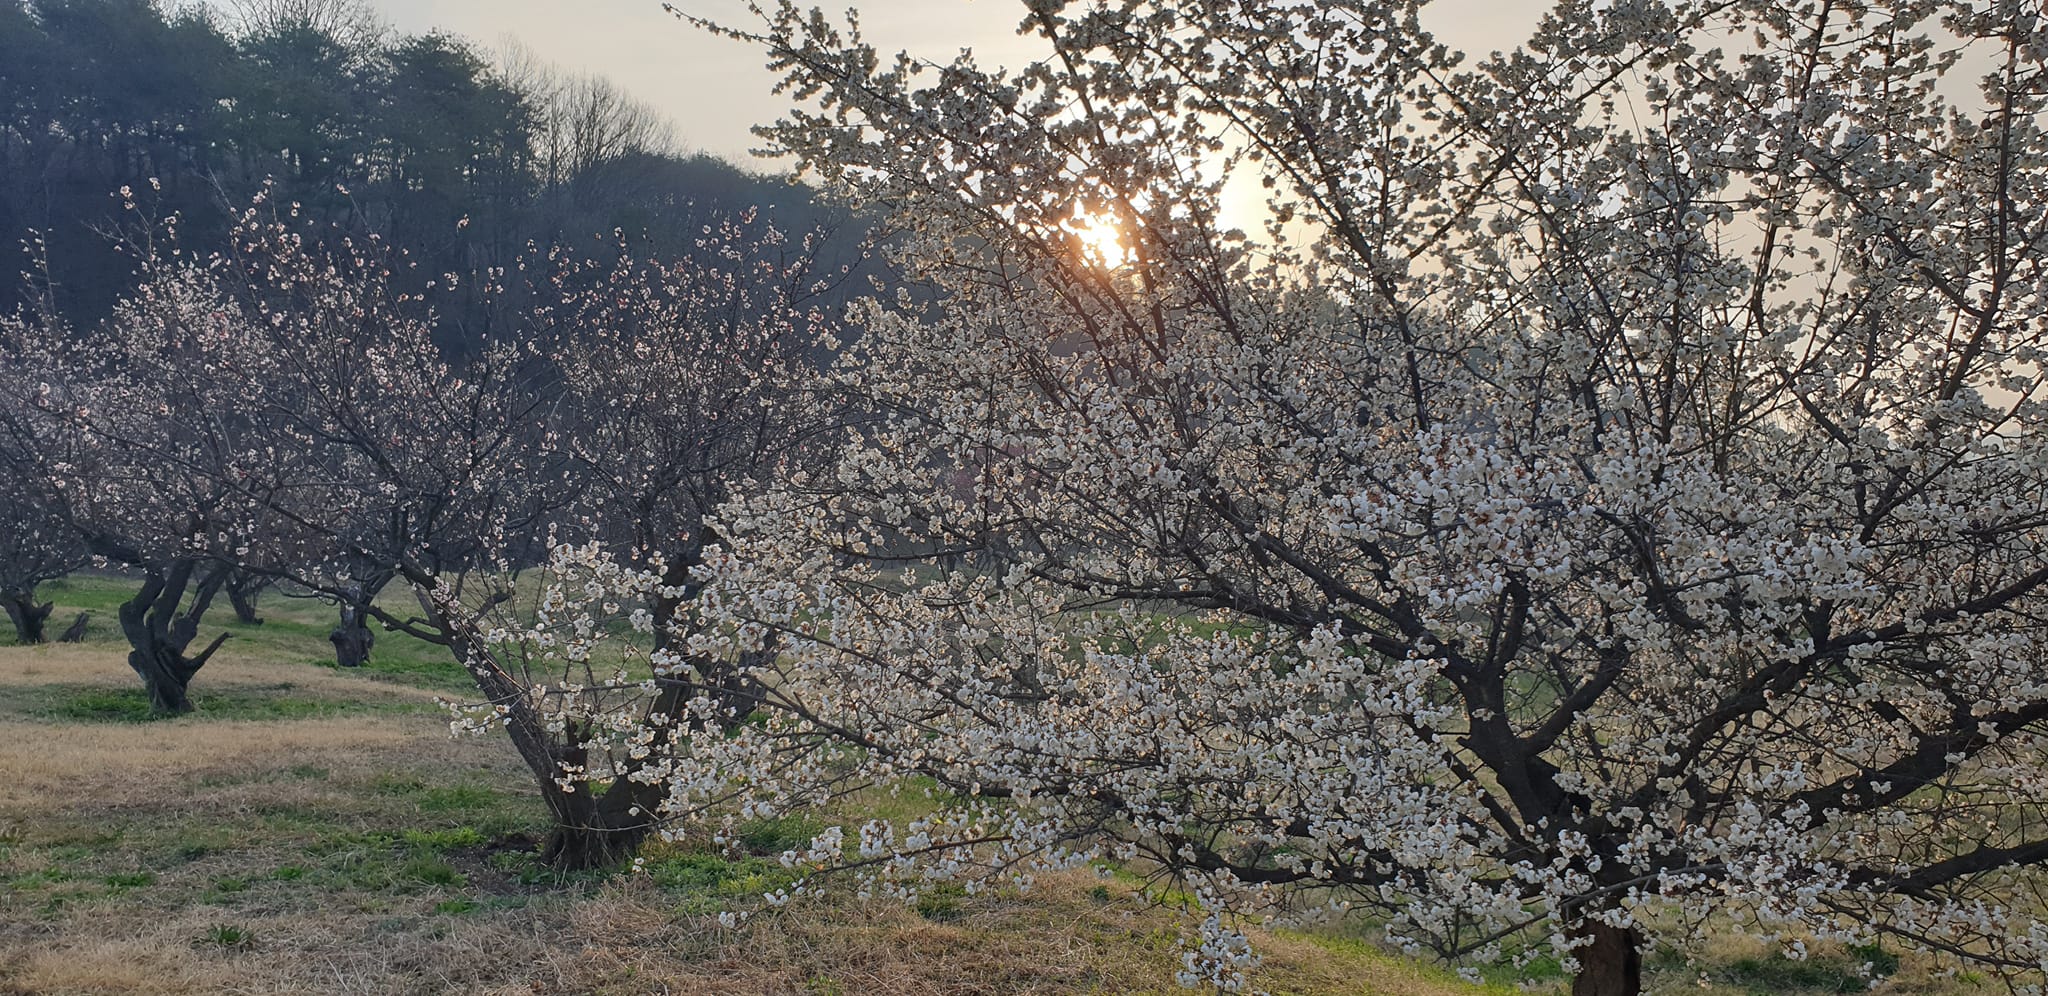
716 89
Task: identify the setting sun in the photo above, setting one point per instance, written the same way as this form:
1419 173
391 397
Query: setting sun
1099 237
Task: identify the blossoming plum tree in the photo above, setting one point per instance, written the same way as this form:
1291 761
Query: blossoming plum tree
36 545
275 409
1608 500
282 409
134 445
683 384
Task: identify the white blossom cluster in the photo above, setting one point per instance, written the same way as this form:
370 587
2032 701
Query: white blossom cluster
1609 500
1610 496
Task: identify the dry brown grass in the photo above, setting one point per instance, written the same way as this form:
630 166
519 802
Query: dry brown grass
124 765
210 854
626 938
127 848
104 665
117 765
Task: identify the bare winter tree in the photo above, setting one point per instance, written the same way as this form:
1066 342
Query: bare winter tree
581 122
353 23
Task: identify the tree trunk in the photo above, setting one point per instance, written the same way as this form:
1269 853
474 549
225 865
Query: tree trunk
585 848
243 590
596 830
601 831
584 836
592 828
165 675
28 617
1611 964
351 636
159 628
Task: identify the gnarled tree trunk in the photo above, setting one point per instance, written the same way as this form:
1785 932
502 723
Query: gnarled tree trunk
598 830
28 616
351 636
590 831
160 628
1611 964
595 828
599 843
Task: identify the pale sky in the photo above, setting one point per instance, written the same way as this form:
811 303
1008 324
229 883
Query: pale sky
715 89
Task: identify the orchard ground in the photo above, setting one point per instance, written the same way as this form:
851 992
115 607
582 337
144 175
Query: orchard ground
311 829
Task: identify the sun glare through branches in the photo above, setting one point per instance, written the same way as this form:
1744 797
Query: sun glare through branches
1101 240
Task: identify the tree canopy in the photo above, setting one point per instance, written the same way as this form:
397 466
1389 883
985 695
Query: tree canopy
1607 500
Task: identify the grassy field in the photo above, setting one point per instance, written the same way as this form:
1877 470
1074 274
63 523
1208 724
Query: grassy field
310 829
315 830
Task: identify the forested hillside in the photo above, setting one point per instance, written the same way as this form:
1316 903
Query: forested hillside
457 155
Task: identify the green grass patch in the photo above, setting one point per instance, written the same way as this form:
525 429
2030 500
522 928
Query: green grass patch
1360 950
456 816
129 880
227 937
428 666
41 878
1814 974
778 834
706 882
99 704
941 903
459 798
382 862
432 871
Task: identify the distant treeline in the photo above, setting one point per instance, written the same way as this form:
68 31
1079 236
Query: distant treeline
459 157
